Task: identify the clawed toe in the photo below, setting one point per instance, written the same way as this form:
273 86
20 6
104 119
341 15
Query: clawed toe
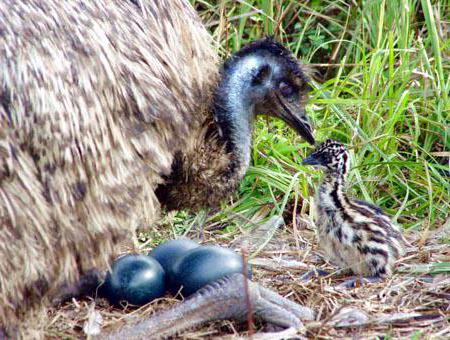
299 311
224 299
359 281
314 274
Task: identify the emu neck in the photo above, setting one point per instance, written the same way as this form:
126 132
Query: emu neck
332 191
234 108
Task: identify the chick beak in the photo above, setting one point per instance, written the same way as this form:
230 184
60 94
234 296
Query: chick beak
311 160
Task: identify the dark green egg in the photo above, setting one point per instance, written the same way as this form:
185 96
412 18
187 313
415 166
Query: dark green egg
204 265
136 279
168 253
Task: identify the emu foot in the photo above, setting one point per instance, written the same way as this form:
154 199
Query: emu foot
359 281
313 274
224 299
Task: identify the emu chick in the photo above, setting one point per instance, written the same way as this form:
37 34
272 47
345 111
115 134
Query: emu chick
354 234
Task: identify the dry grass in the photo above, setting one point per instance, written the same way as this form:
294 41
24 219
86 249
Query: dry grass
414 305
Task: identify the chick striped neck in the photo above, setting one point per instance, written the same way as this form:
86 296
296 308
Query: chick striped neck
332 190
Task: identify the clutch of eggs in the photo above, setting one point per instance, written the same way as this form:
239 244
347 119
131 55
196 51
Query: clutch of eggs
178 265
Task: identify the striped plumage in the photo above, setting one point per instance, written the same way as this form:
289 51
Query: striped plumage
354 234
107 112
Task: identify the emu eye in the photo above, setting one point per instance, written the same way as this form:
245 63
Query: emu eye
286 90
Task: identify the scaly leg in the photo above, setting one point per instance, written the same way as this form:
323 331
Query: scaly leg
223 299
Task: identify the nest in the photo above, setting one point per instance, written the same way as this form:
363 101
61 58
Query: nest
414 302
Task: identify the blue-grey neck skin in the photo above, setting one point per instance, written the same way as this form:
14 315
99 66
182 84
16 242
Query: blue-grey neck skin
235 102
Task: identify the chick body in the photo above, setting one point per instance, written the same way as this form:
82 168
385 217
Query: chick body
354 234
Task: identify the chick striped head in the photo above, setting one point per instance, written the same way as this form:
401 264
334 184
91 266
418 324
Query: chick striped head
331 156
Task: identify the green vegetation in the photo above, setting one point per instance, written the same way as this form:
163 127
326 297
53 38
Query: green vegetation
381 84
383 88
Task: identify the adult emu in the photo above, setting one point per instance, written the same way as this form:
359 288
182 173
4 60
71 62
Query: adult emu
105 103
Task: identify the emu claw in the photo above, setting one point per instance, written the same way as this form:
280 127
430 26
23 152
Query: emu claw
359 281
313 274
223 299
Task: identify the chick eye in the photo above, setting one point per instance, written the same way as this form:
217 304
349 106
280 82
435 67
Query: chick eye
286 90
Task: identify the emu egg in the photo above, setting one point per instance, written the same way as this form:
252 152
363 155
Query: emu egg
168 253
204 265
137 279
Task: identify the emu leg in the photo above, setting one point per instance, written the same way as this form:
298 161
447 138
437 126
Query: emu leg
223 299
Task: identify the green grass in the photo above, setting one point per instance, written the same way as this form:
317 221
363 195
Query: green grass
381 85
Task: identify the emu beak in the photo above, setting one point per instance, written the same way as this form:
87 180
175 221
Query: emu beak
294 114
311 160
299 122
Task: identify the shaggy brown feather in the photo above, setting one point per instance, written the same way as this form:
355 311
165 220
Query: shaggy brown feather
90 120
204 161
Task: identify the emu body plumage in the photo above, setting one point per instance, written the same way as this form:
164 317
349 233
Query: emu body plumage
91 119
105 110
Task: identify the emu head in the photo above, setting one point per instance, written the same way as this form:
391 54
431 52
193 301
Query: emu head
262 78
